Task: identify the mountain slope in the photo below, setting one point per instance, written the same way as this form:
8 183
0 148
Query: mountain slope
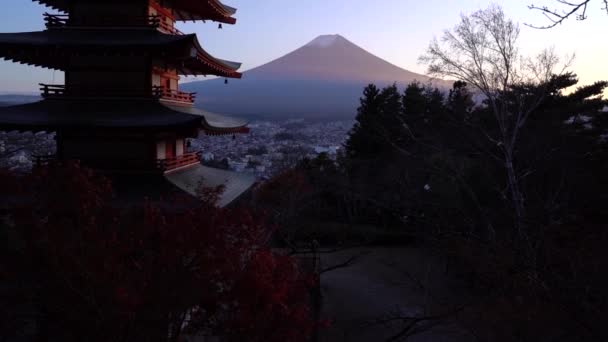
333 58
322 79
11 100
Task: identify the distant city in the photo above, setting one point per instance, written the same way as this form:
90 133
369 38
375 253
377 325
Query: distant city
270 147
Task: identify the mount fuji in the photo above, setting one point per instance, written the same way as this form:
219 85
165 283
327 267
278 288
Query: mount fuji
323 79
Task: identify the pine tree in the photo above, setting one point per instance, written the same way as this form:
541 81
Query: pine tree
390 126
414 100
361 141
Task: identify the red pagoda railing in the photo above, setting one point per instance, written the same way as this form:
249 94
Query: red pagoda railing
162 165
155 21
178 162
166 27
52 90
60 90
56 20
57 90
173 95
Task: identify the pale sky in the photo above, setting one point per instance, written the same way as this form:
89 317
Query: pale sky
396 30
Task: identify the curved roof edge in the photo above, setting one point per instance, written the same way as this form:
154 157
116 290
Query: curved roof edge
59 5
199 62
186 10
227 68
213 123
229 9
194 8
192 178
57 114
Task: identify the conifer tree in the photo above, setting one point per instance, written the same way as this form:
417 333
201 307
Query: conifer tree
361 141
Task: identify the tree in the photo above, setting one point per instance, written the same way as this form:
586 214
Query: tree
569 9
482 51
99 270
433 172
460 101
361 141
377 135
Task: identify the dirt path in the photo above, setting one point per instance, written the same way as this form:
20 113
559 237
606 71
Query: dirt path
385 281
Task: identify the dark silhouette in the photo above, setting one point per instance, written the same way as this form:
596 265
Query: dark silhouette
121 110
418 163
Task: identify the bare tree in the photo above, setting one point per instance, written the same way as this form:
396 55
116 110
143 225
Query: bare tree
482 51
577 9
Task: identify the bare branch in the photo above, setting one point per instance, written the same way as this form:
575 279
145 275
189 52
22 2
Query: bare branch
557 16
344 264
412 322
482 50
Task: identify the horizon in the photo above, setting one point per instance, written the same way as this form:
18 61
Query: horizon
255 40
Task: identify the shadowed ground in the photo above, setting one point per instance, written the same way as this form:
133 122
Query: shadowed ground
382 282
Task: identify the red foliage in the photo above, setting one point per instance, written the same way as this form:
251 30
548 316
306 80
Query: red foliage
284 189
144 272
269 283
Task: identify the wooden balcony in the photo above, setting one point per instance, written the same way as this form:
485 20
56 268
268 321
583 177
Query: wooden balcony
52 90
165 27
61 91
173 95
188 159
54 21
130 165
161 93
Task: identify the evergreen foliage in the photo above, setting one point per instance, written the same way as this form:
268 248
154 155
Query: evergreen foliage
422 162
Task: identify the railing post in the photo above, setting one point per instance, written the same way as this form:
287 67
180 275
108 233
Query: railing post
44 89
160 163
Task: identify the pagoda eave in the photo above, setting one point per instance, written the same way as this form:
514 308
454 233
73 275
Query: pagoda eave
125 115
185 10
198 68
215 124
190 180
53 49
188 16
192 10
59 5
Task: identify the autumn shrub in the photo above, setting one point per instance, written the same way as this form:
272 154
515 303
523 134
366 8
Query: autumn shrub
98 269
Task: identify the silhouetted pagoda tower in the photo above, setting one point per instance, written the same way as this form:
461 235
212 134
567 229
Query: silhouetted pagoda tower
120 110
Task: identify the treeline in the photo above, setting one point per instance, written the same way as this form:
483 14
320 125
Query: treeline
427 158
428 163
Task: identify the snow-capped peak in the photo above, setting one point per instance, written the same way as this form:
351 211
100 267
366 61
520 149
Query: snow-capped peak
324 41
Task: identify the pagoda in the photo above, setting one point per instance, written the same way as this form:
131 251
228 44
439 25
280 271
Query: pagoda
120 109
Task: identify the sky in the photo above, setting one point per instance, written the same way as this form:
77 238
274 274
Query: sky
396 30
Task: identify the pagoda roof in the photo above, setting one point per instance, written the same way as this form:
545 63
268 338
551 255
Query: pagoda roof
190 179
202 10
185 10
53 48
146 114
